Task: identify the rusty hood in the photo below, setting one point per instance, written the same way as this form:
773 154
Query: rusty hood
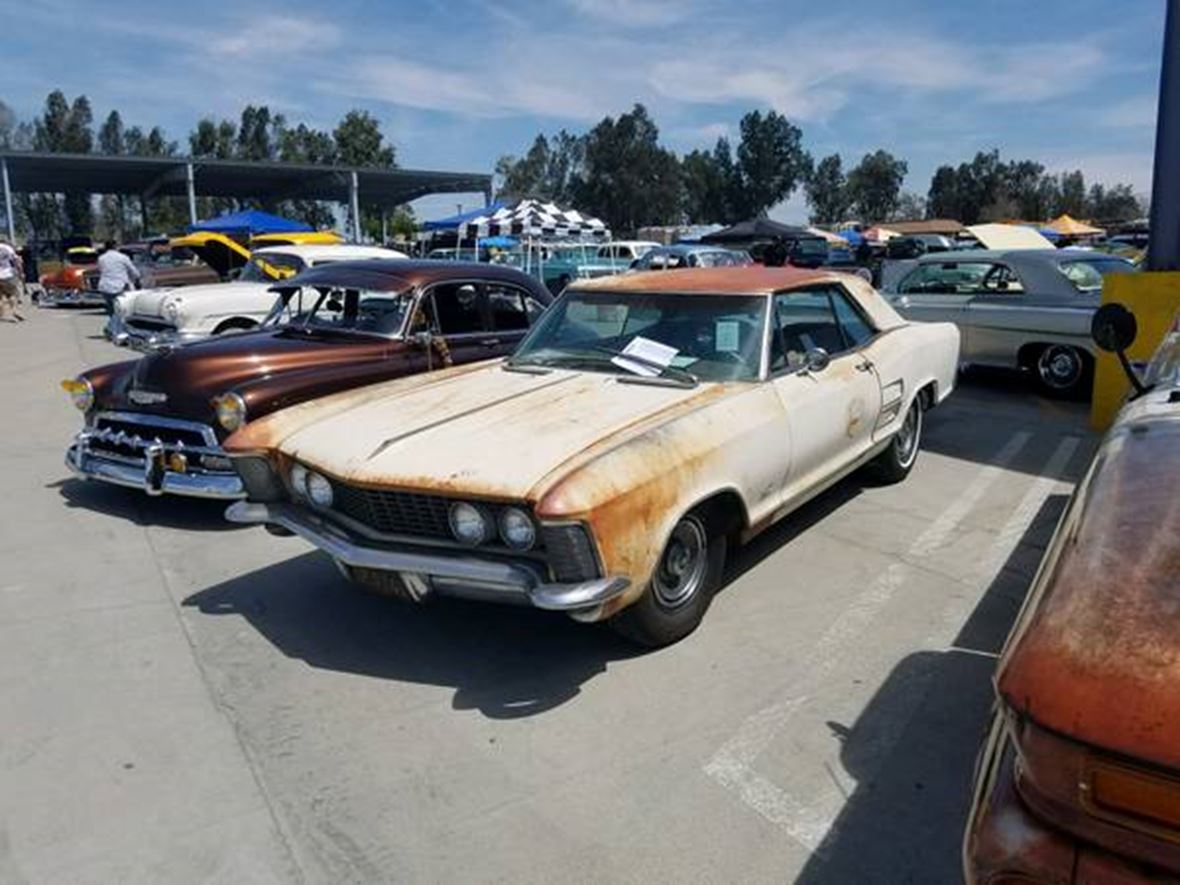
483 431
1096 654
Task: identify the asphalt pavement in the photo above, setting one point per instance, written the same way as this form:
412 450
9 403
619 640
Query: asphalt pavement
182 700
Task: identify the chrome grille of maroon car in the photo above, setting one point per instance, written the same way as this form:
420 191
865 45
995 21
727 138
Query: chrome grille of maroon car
125 436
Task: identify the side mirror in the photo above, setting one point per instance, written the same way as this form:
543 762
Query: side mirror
1113 329
817 360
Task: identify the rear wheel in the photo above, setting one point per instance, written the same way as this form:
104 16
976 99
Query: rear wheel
894 464
681 588
1061 370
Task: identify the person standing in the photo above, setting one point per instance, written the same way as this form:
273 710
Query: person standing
10 286
116 274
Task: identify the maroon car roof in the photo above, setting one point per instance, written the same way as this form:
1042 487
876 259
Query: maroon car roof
396 274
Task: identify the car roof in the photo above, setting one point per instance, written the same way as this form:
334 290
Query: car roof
1012 255
398 274
753 279
686 248
341 251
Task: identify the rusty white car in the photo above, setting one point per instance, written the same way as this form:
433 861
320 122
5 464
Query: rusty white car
646 423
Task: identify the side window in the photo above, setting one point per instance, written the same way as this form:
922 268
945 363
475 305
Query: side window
805 321
456 309
507 306
855 327
533 308
1001 278
947 278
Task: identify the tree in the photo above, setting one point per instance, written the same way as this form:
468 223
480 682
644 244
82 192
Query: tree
942 200
259 133
628 180
1022 182
546 172
827 191
110 137
1073 193
359 142
910 207
874 186
770 162
1117 203
213 139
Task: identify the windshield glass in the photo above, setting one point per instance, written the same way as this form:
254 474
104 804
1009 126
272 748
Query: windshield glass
351 310
715 337
270 267
1086 276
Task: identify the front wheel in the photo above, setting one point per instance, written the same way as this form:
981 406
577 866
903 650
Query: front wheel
894 464
1061 370
685 579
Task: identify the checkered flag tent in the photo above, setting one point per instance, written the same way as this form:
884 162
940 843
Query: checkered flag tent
532 219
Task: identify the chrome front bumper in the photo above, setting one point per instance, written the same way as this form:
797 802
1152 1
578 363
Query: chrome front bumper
145 340
150 472
441 570
71 298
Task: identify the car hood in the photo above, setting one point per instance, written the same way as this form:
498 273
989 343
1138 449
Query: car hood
486 431
150 302
1097 658
193 374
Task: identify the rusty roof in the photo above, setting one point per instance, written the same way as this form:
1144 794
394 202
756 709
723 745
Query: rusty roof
753 279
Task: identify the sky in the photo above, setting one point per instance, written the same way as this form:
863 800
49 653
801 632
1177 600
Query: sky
458 83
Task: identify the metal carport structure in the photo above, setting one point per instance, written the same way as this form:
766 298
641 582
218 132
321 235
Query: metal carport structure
146 177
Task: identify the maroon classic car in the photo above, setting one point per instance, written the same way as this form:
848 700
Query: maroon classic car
1079 779
157 423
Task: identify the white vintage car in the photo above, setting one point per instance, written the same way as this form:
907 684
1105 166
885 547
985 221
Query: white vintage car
150 318
646 422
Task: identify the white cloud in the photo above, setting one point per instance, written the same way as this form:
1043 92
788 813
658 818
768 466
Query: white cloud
273 35
634 13
1134 113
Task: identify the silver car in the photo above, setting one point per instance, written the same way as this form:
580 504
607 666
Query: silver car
1027 309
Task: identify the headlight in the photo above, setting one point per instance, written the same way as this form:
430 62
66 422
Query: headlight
299 480
319 490
469 524
174 310
80 392
517 529
231 410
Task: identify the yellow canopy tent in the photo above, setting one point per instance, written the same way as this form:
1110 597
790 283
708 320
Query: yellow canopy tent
1071 227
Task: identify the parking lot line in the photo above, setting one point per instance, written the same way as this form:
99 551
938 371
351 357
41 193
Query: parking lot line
732 765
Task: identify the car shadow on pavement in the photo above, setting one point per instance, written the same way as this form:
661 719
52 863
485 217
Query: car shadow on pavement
505 661
168 511
912 750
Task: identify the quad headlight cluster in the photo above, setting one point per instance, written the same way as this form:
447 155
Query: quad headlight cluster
311 486
473 525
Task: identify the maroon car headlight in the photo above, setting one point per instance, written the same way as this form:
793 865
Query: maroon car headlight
81 393
230 409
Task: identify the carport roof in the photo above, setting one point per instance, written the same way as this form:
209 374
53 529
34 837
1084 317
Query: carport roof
32 172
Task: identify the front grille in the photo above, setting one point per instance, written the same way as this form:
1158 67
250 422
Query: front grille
147 325
570 553
125 437
394 513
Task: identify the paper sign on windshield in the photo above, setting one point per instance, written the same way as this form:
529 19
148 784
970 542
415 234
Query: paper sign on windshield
652 357
726 337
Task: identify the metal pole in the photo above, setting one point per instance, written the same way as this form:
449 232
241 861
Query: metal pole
143 211
192 193
1164 250
384 226
8 201
355 206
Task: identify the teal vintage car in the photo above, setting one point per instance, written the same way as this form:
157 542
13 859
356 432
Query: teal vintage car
558 265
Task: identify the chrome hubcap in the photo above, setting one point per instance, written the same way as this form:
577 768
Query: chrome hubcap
682 567
1059 367
907 436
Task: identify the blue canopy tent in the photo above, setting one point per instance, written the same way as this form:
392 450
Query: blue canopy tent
250 222
854 237
453 222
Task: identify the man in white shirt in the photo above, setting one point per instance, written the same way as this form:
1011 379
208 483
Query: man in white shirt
116 274
10 276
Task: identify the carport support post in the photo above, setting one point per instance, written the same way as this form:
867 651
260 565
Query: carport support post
1164 250
191 186
354 205
8 201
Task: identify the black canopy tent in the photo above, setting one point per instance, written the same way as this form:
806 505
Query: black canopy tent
146 177
753 231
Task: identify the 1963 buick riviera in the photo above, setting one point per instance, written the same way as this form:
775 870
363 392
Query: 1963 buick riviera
157 423
644 423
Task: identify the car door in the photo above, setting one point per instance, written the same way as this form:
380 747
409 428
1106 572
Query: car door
831 411
939 291
511 312
455 316
999 319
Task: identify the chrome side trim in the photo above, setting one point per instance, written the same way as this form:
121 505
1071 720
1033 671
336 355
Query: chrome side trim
448 573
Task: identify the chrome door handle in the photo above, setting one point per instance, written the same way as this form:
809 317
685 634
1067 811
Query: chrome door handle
490 342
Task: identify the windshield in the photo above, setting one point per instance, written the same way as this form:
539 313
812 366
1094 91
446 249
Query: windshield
351 310
1086 276
713 337
270 267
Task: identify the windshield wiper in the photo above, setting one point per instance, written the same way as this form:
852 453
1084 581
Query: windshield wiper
660 368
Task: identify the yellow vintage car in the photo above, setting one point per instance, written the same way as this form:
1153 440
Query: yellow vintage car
226 254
